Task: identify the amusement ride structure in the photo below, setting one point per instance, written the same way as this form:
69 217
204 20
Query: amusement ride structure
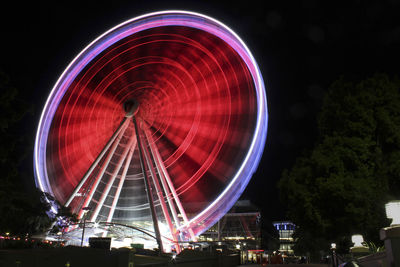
158 124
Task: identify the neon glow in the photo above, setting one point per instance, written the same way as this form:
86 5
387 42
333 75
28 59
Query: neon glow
202 99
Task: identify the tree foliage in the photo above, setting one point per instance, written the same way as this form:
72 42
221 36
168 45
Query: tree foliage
340 187
22 211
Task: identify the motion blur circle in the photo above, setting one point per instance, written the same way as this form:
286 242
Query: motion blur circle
200 95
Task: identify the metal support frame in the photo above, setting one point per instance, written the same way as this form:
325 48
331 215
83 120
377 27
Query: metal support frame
103 169
150 161
160 195
121 181
165 174
96 161
112 178
148 188
168 194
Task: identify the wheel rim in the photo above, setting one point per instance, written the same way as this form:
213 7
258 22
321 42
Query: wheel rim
170 52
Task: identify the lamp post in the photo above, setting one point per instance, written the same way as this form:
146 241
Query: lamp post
333 251
393 212
85 210
357 240
358 249
391 234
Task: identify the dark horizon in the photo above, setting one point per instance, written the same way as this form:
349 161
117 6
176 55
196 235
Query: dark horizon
300 47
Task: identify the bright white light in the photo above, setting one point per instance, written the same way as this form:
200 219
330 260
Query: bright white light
393 212
96 225
333 246
174 256
167 247
357 240
126 242
163 228
237 246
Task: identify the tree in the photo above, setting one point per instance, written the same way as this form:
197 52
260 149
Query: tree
21 211
339 188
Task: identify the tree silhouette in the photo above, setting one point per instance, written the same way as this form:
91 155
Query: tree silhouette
340 187
22 211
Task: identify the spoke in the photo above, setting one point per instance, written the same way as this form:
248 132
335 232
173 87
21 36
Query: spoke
121 181
160 195
97 160
103 169
112 178
173 191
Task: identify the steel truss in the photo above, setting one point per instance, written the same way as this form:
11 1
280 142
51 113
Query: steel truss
155 177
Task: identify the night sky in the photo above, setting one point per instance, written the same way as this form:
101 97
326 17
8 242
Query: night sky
301 47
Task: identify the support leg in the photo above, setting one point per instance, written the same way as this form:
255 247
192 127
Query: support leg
160 195
162 178
173 191
148 189
96 161
112 179
103 169
121 181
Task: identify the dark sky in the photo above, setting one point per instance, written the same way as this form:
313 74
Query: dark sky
301 47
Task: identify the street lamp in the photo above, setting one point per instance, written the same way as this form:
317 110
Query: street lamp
357 240
85 211
393 212
334 261
391 235
358 249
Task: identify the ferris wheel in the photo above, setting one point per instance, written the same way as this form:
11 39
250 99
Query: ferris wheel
161 119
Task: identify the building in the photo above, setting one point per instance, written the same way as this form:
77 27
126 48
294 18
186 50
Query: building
241 223
239 229
286 241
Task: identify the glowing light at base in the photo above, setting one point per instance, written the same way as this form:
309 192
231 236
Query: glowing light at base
357 240
202 103
393 212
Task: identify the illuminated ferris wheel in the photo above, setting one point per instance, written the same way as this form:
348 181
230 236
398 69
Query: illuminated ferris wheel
161 119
